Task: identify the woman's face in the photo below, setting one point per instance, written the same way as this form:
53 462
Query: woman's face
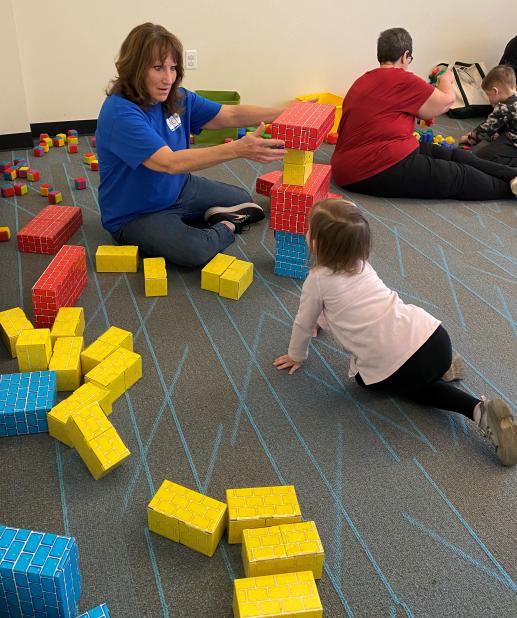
160 79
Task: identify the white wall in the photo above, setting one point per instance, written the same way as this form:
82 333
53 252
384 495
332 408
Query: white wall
269 51
13 107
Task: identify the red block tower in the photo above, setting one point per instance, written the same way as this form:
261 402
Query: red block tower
50 229
60 285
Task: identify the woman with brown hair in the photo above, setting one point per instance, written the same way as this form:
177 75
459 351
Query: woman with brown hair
396 348
147 194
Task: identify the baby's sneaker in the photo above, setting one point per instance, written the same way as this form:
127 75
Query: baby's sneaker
456 370
497 424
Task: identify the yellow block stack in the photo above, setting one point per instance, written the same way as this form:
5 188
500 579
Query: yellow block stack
155 276
227 276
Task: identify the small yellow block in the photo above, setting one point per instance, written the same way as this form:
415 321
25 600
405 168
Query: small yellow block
34 349
12 322
69 322
62 136
66 362
282 549
118 338
96 440
117 372
211 273
258 507
236 279
299 157
187 517
277 596
296 174
155 276
84 396
116 259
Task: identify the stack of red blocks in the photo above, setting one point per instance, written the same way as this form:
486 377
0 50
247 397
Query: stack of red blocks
60 285
50 229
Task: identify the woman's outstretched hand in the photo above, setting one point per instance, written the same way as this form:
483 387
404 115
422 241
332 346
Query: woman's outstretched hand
286 362
256 148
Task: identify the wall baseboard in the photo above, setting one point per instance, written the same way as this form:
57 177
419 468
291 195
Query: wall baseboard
13 141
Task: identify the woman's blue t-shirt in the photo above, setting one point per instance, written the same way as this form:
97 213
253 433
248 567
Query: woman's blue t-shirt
126 136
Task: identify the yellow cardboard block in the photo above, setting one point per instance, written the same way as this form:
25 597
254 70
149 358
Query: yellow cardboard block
277 596
116 259
296 174
94 354
211 273
155 276
12 322
69 322
299 157
187 517
118 338
282 549
66 362
83 397
34 349
236 279
117 372
259 507
96 440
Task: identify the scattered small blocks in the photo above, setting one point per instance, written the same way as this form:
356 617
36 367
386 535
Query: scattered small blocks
7 190
80 182
39 574
277 596
20 188
155 277
88 157
45 189
187 517
5 233
25 400
116 259
33 175
259 507
55 197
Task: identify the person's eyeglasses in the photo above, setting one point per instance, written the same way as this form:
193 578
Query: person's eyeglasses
410 58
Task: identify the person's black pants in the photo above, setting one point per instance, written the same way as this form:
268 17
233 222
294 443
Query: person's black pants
501 150
419 378
432 171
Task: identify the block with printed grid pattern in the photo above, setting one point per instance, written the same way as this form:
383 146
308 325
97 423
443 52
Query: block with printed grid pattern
116 259
304 126
266 181
69 322
111 339
48 231
258 507
236 279
117 372
101 611
25 399
85 395
187 517
34 349
291 255
66 362
282 549
211 273
96 440
277 596
60 285
12 322
155 277
290 204
297 166
39 574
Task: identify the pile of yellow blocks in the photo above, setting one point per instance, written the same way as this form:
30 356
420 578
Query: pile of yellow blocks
282 555
227 276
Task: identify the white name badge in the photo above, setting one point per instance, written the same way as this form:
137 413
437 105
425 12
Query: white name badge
174 122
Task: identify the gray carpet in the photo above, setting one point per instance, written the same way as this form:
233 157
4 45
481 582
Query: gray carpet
416 515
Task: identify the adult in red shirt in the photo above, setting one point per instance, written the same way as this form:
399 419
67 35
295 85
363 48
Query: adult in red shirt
376 152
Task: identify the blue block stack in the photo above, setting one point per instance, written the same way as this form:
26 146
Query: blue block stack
291 255
25 400
39 574
101 611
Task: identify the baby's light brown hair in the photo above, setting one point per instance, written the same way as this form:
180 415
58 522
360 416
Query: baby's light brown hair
502 74
339 236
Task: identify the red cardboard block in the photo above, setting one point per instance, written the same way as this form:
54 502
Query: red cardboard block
304 126
50 229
